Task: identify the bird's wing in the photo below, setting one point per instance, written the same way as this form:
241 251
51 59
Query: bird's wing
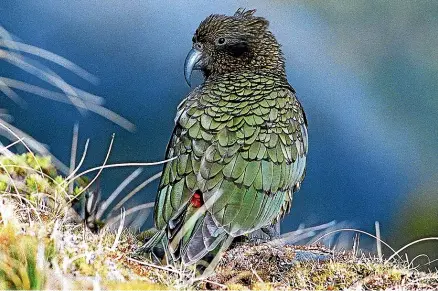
251 167
178 181
174 212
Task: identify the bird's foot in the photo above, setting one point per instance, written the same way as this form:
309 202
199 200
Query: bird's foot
265 234
149 249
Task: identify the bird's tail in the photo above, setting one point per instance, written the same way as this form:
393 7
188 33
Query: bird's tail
188 237
204 239
153 247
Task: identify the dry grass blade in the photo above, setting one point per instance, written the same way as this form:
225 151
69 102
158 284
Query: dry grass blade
130 211
10 179
46 75
358 231
5 148
11 94
304 233
74 149
84 154
116 192
59 97
10 51
396 253
168 269
137 189
5 115
13 133
23 143
120 229
411 263
97 175
42 53
49 94
133 164
378 241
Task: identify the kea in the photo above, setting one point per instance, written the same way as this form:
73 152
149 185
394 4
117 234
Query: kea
239 146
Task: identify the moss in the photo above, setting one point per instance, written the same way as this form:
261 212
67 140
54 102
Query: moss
268 267
3 184
19 165
74 258
134 285
36 184
21 264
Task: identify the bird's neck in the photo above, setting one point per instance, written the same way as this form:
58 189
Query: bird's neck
268 57
244 85
244 77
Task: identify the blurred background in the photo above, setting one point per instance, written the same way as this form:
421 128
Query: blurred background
366 73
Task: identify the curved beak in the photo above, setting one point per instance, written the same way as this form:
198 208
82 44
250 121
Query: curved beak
192 62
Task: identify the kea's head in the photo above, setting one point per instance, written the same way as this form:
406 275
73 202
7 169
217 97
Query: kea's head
224 44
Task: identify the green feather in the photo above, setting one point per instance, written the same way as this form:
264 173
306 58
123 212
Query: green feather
254 150
176 194
244 210
239 167
266 175
223 137
228 169
251 172
194 130
191 181
276 175
212 182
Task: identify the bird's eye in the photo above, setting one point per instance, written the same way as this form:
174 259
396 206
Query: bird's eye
221 40
198 45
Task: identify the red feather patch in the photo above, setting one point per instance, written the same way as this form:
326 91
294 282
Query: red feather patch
196 200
